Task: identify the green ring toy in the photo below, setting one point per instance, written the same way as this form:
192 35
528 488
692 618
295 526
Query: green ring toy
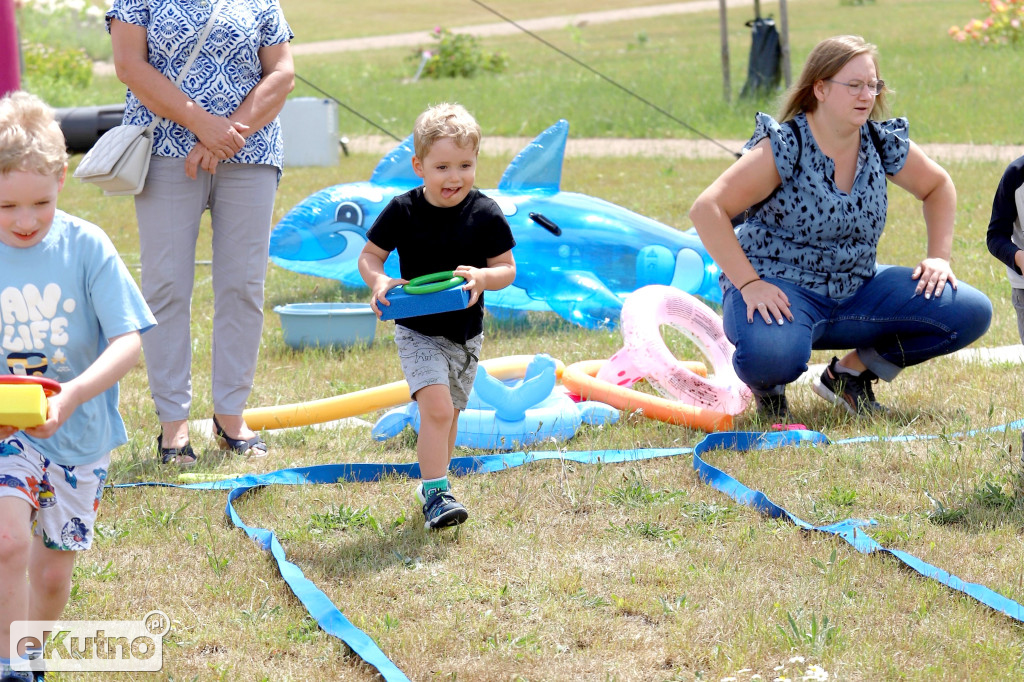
429 284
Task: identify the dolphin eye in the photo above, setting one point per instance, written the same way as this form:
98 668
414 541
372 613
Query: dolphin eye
349 212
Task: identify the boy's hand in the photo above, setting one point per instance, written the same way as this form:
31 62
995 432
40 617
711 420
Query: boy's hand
58 408
8 431
476 281
380 291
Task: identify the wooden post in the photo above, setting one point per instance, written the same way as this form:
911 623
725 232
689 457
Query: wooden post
723 32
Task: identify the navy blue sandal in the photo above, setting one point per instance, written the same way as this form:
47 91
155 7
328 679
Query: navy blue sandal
184 456
253 448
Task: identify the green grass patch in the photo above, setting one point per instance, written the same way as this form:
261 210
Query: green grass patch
608 572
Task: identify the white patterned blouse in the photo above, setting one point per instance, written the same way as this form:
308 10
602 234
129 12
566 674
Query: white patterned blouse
227 67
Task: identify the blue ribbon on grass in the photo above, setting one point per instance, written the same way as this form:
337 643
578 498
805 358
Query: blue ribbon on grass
320 607
333 622
849 530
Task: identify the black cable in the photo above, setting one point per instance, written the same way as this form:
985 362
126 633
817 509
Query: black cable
604 77
350 109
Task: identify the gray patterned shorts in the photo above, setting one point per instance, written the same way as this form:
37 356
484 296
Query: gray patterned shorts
430 360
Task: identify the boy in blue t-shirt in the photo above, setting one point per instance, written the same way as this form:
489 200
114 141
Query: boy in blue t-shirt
445 224
69 311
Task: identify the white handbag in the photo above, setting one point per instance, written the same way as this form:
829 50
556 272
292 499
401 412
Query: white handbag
119 161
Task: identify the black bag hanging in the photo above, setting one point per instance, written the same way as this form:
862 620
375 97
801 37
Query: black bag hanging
763 71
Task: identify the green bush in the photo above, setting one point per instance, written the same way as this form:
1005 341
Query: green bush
64 24
458 55
58 75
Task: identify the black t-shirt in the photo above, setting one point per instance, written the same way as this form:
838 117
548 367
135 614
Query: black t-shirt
431 239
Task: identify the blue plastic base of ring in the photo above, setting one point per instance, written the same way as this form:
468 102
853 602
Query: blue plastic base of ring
413 305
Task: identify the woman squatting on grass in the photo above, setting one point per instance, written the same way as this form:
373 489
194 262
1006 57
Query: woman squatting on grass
800 270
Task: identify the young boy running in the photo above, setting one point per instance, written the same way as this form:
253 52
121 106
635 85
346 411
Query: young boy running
443 225
69 311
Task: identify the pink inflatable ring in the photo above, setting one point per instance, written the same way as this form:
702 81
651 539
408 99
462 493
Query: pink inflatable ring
644 354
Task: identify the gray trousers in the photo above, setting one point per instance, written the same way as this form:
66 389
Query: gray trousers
241 202
1017 296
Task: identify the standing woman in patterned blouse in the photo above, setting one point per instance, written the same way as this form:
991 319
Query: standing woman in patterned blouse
217 147
800 271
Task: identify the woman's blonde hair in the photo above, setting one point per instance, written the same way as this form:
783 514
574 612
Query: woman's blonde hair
445 120
826 60
30 137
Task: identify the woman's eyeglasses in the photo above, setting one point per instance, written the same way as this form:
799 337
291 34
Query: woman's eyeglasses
854 87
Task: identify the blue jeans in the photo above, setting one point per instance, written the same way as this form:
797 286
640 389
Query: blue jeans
889 326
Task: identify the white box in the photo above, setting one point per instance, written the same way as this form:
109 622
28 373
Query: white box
309 128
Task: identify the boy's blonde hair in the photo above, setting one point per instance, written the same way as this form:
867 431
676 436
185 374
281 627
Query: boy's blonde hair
445 120
30 137
826 60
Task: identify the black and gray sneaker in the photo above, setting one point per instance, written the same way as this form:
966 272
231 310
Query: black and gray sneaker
772 407
853 393
442 510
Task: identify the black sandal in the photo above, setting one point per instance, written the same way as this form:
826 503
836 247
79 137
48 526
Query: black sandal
184 456
254 448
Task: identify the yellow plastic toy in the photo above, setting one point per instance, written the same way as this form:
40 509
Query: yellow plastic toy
23 399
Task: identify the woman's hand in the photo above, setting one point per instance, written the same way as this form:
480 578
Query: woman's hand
932 274
200 157
220 135
767 299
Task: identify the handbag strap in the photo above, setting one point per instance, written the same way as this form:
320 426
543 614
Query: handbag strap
199 43
218 4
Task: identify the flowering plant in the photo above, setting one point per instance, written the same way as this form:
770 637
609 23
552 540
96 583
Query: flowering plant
457 55
1003 26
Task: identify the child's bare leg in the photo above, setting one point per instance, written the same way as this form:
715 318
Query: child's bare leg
15 550
50 581
437 424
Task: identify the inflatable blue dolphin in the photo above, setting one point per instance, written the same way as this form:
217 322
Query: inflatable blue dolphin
576 255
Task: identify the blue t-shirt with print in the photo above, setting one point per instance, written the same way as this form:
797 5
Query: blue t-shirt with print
810 232
60 301
226 69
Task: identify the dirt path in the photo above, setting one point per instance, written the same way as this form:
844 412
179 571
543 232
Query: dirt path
686 149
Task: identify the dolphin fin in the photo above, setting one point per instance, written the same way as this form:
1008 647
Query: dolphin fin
582 298
538 167
395 168
511 402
